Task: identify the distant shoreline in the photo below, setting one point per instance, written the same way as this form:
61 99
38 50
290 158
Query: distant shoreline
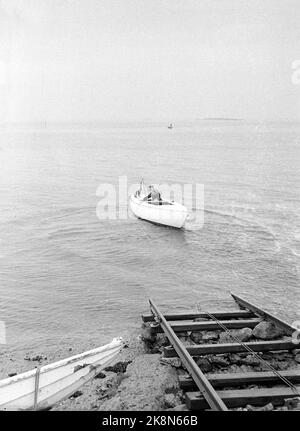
86 125
222 119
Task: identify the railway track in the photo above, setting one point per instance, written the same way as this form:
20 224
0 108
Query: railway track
224 391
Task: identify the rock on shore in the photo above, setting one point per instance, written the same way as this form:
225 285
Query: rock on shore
267 331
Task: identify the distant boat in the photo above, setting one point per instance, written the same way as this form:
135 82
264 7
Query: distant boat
40 388
171 126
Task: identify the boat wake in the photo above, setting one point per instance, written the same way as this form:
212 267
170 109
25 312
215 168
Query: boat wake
197 222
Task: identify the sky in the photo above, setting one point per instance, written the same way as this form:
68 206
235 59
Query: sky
119 60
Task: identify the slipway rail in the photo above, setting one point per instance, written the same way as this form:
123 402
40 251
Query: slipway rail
206 389
223 390
264 314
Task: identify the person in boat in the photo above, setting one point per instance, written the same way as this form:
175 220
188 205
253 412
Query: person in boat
154 195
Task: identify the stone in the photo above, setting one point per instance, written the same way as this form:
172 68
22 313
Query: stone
100 375
261 367
267 331
162 340
279 365
174 362
234 369
284 356
204 365
196 337
267 408
109 387
119 367
219 361
76 394
210 336
225 338
267 356
37 358
250 360
106 393
171 401
292 403
234 358
148 333
243 334
243 368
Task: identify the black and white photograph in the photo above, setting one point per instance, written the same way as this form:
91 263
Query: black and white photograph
149 209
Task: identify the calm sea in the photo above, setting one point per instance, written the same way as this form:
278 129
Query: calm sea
66 276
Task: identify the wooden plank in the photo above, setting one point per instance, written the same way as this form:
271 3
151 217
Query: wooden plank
211 396
258 346
211 326
242 397
221 315
237 379
264 314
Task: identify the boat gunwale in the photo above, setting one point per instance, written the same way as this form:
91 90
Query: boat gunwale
180 208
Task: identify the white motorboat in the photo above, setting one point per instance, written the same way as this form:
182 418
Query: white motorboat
163 212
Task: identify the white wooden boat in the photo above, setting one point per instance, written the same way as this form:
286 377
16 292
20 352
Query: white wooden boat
167 213
41 388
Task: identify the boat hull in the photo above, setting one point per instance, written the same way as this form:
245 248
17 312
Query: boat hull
172 214
55 381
